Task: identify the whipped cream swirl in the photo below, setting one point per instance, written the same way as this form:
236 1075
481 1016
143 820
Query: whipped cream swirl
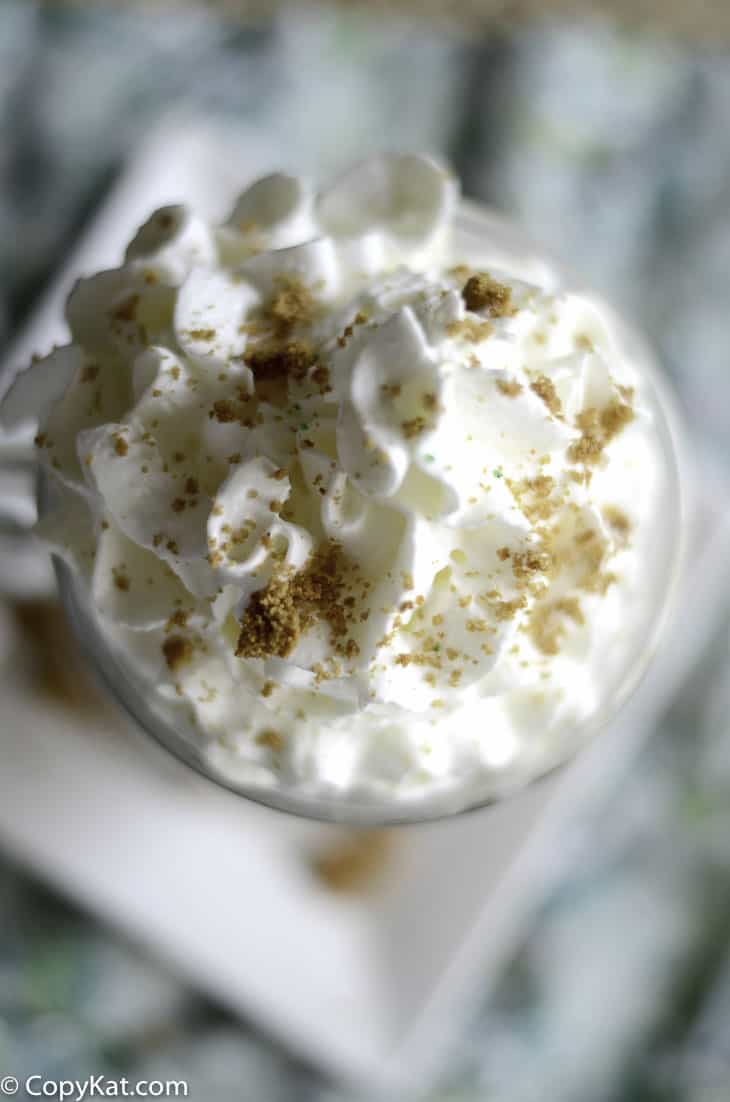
367 512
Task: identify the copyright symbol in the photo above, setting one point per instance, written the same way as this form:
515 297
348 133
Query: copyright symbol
9 1085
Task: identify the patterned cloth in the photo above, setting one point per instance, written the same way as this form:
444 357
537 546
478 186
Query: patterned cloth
615 151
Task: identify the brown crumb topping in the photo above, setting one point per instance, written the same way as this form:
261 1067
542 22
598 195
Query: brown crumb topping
178 619
277 354
509 387
353 864
414 427
617 520
292 602
507 610
126 310
291 304
469 329
121 578
178 651
275 360
321 377
224 410
482 292
272 740
598 428
546 624
614 418
545 389
527 564
536 497
121 447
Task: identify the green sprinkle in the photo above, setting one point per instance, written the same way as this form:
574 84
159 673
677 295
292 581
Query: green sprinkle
429 458
497 472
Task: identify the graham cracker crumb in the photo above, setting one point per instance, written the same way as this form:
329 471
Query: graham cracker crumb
507 610
273 360
482 292
414 427
353 865
177 651
121 447
509 387
321 376
126 310
292 602
178 619
545 389
598 428
121 578
526 564
546 626
617 519
614 418
292 303
224 411
469 329
271 739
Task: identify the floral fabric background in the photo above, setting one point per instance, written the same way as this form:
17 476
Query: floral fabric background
614 150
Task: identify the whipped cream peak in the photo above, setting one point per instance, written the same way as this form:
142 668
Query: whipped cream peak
275 212
409 198
326 478
169 244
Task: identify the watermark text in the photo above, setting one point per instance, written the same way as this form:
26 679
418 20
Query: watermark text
95 1086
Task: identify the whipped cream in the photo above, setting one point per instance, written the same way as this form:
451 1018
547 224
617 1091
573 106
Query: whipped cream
375 516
